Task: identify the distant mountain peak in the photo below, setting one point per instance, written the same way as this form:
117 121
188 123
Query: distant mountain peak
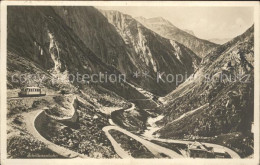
140 17
166 29
158 19
155 20
189 31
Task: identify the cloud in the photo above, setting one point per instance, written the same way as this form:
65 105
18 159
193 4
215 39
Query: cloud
240 22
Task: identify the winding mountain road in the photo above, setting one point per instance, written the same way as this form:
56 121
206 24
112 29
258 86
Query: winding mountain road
154 148
232 153
33 121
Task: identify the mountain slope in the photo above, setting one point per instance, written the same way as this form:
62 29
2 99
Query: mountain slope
41 44
168 30
153 53
222 89
98 35
103 38
40 36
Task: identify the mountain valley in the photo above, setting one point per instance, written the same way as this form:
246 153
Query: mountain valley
49 47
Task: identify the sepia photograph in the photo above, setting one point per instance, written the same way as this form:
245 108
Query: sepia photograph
115 80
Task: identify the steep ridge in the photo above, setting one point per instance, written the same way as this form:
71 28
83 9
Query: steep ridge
225 81
98 35
107 42
153 53
37 35
168 30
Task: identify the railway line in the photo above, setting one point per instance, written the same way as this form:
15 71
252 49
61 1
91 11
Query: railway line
17 98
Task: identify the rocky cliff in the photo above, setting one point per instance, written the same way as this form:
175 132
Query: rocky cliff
153 53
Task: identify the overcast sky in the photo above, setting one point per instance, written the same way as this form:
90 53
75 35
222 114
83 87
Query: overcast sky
205 22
